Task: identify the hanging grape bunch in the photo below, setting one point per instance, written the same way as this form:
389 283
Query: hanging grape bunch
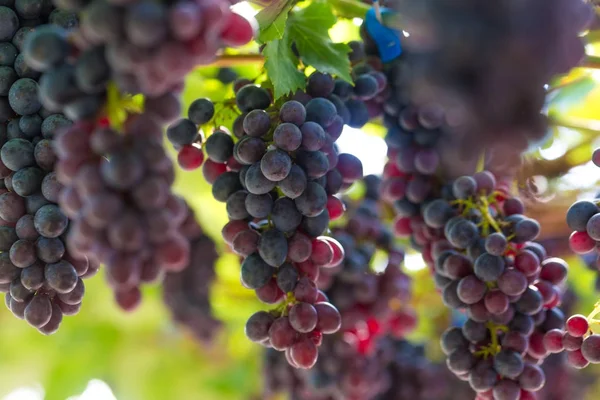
42 279
278 179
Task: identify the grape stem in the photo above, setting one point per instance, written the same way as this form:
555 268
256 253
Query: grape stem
485 210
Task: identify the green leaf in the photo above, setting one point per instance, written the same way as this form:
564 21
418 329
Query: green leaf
282 67
309 30
272 19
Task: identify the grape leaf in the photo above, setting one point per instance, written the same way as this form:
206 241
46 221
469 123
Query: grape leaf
309 30
282 67
272 19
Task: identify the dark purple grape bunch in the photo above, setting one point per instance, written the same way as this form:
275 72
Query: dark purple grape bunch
187 293
412 374
487 264
41 279
117 191
365 293
361 101
278 175
462 55
583 217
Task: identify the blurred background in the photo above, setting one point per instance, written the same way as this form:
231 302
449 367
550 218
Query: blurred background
103 353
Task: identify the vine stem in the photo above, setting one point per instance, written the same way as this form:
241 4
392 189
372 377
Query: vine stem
236 60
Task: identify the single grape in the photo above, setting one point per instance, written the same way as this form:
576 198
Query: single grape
257 326
255 272
257 123
281 334
285 215
201 111
273 247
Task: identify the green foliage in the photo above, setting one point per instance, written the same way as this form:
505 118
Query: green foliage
308 29
272 19
281 65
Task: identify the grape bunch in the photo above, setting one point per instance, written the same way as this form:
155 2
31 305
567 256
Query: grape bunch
42 279
464 56
583 217
485 262
412 376
278 178
365 293
186 293
374 305
143 47
117 191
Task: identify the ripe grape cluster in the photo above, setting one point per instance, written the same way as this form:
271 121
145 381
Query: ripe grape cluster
583 217
117 193
371 299
278 175
485 262
143 47
464 58
186 293
41 278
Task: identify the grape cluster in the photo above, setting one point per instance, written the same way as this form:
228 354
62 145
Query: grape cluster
143 47
485 262
463 58
117 193
186 293
583 217
41 279
365 297
278 175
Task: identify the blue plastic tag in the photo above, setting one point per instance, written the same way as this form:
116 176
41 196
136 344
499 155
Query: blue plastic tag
387 39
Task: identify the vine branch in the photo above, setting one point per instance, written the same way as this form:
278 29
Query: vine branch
236 60
592 62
